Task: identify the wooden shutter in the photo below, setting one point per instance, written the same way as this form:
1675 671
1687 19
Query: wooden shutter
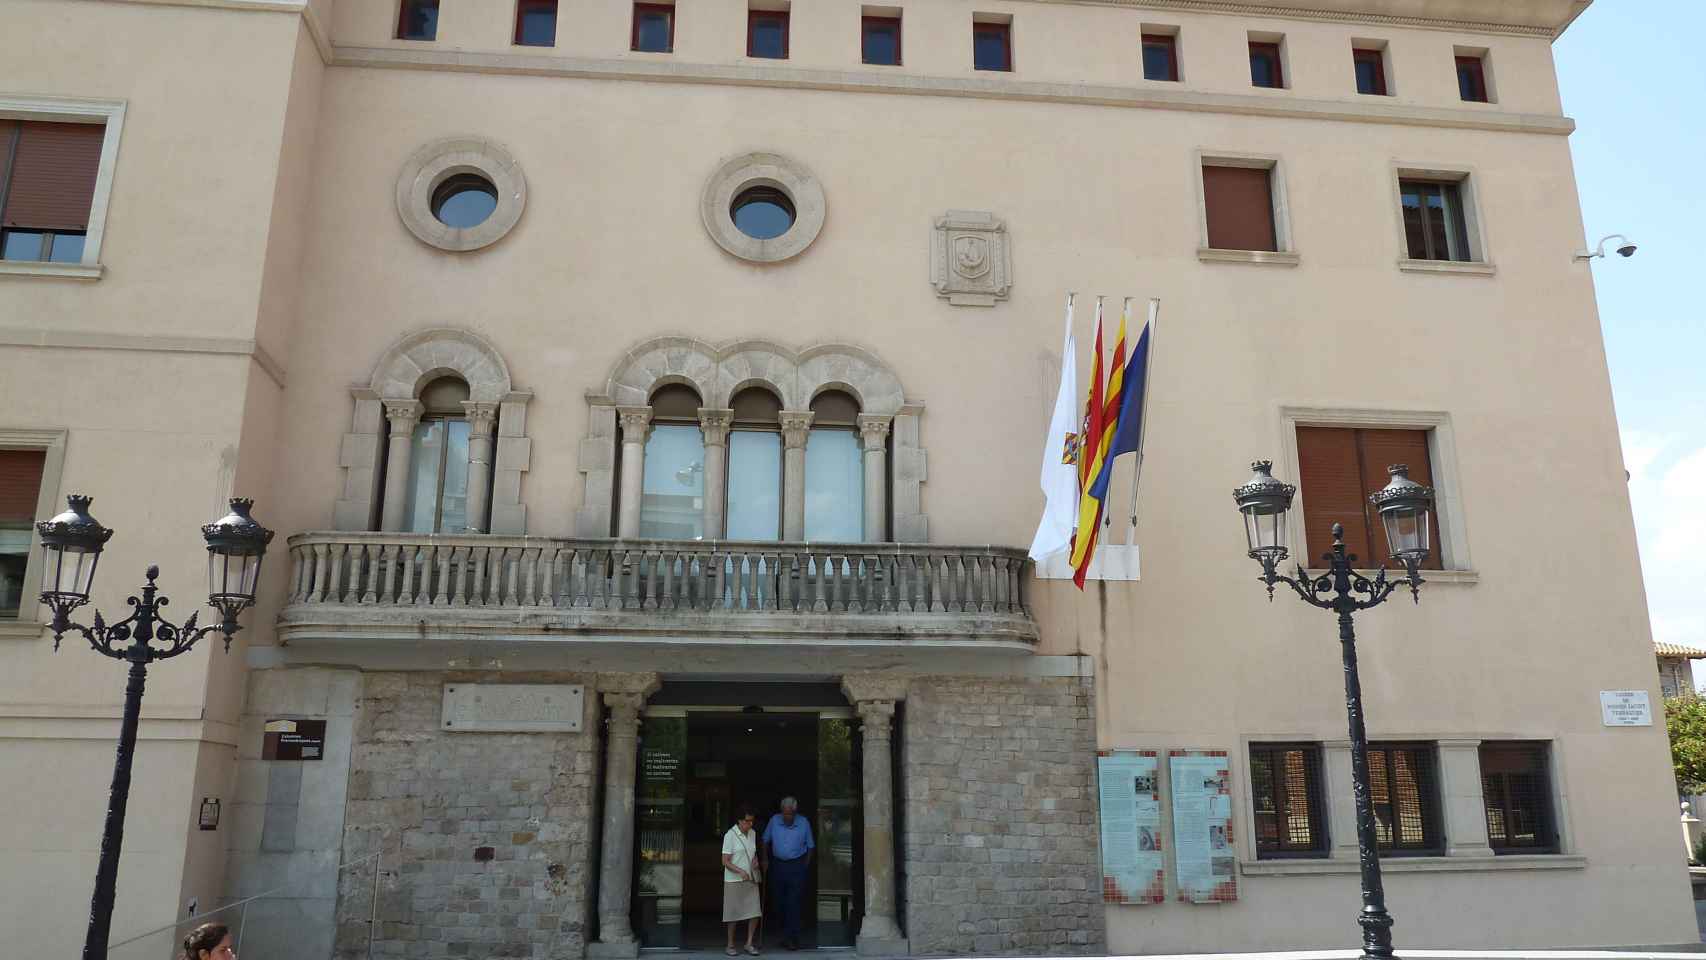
8 139
1330 473
53 176
1380 449
20 484
1240 204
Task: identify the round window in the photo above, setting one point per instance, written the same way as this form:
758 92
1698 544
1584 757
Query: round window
464 200
762 213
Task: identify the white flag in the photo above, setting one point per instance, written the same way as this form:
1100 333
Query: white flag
1060 474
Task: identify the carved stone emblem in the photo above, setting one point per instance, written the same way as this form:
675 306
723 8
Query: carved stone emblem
970 264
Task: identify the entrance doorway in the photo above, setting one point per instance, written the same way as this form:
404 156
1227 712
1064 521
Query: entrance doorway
697 766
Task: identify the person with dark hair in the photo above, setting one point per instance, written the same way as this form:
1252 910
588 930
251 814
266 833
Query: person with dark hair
741 896
210 941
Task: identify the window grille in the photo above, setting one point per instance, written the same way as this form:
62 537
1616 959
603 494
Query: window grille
1517 786
1404 785
1286 787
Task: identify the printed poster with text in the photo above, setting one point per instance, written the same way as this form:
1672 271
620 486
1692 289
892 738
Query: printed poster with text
1202 825
1129 797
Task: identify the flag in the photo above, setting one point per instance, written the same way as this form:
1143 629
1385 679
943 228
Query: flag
1128 436
1060 457
1093 458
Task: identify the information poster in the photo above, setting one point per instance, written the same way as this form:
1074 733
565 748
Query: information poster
1130 804
1202 826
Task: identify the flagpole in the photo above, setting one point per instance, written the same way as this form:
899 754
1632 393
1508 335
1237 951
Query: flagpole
1143 422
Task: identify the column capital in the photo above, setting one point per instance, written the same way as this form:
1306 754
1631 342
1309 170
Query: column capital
624 712
403 413
482 416
862 688
874 430
634 419
714 424
795 425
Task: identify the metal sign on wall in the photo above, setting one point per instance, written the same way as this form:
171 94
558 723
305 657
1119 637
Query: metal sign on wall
293 740
514 707
1625 708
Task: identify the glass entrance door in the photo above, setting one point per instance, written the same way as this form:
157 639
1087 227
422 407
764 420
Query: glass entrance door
840 881
660 822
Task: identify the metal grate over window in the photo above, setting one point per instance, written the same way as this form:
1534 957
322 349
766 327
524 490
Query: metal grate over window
1404 785
1517 787
1291 817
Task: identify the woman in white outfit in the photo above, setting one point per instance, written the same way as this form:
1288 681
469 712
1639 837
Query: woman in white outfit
741 897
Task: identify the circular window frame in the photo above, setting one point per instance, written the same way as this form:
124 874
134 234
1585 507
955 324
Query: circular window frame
742 173
433 164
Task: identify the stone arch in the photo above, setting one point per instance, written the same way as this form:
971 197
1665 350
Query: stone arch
393 393
662 360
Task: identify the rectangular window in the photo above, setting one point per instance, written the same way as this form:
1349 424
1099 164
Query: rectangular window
1371 71
654 27
20 486
536 23
672 490
1517 788
418 20
438 477
47 186
754 510
1239 202
767 34
1160 57
1434 225
1286 789
1265 69
879 40
1405 790
835 486
992 46
1338 467
1472 78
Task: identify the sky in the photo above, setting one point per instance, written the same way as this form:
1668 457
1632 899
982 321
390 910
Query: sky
1633 80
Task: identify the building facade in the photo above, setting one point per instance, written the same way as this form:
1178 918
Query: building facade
649 401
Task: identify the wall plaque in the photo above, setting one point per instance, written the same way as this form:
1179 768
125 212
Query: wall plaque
970 265
293 740
514 707
1625 708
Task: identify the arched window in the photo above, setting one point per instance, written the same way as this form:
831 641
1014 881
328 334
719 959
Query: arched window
754 510
835 472
438 462
672 497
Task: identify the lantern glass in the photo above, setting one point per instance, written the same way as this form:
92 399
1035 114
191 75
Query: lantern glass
235 546
69 569
1406 533
232 575
1264 501
1266 532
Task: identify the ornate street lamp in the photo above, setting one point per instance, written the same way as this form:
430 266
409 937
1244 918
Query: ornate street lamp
1405 507
71 546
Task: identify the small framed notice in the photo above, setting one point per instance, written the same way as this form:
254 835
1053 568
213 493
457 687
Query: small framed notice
1626 708
1202 825
295 740
1130 807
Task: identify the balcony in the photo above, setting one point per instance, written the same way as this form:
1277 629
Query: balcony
393 590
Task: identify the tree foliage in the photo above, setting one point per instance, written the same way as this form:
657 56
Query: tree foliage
1685 721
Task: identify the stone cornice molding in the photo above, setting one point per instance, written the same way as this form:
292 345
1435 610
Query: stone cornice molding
860 688
145 342
1547 19
980 88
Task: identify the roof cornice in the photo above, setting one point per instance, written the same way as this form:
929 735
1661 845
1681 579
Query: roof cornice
1544 19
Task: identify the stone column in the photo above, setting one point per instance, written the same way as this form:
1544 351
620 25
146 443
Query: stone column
403 415
796 426
1465 815
874 696
874 435
1341 800
714 427
616 848
482 417
636 425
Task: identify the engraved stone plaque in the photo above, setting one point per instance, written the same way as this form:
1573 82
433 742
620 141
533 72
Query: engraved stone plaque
514 707
970 265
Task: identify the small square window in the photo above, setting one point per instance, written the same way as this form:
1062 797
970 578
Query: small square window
1265 68
1472 78
1239 203
1517 789
654 28
418 20
1286 789
536 23
1370 68
1435 227
992 46
48 172
879 40
1337 469
1404 788
767 34
1160 57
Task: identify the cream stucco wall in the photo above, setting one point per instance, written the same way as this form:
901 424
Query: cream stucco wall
294 242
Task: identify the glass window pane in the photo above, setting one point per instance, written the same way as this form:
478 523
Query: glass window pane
882 42
769 36
1368 74
1158 61
672 497
755 486
453 515
989 48
419 21
1264 68
67 248
651 33
426 456
835 487
14 557
538 26
20 245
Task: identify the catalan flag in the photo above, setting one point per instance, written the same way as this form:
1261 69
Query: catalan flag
1096 461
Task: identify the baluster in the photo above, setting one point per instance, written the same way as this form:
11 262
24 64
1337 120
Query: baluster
370 559
903 578
985 583
597 585
335 579
390 558
720 578
999 584
441 595
294 594
631 579
855 583
746 577
786 564
531 565
961 599
772 581
402 585
887 572
317 592
820 598
935 575
649 593
510 557
580 590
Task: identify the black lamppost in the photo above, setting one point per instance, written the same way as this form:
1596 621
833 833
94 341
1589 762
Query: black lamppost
71 546
1404 506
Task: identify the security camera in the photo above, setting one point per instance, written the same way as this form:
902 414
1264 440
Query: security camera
1625 249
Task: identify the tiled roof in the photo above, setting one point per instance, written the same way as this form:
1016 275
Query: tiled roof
1678 650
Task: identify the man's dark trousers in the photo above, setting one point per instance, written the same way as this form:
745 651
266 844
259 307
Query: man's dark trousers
790 879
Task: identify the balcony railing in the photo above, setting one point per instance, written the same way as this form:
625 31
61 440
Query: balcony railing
615 586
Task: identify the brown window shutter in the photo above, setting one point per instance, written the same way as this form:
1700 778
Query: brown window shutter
1330 475
1240 204
53 178
20 484
8 139
1380 449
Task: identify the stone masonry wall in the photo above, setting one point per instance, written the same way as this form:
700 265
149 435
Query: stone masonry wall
486 838
1001 850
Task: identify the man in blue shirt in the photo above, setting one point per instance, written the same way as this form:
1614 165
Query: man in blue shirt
787 843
